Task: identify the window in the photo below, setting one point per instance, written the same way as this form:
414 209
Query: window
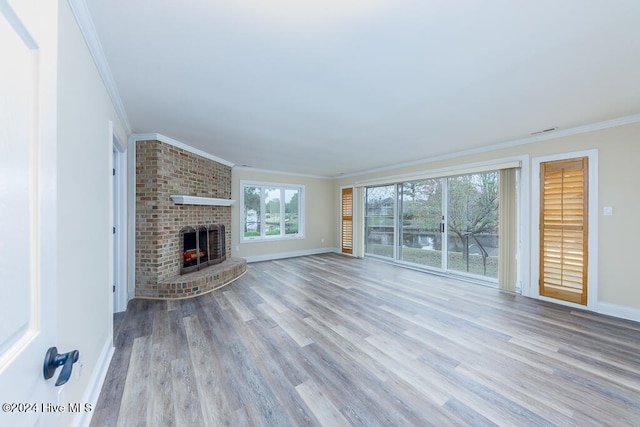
472 221
271 211
420 208
379 221
448 223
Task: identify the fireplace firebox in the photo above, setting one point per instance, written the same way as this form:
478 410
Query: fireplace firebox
201 247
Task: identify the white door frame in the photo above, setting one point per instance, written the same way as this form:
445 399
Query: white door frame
119 200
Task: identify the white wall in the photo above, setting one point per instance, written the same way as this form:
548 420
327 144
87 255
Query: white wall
618 150
84 247
319 217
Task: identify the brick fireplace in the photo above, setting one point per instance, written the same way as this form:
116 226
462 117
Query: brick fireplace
202 247
163 170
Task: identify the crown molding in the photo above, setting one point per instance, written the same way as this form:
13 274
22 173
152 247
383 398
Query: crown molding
88 30
620 121
159 137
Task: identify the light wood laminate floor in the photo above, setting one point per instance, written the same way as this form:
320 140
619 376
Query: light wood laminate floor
333 340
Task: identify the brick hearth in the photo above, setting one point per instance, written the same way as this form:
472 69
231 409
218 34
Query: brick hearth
163 170
202 281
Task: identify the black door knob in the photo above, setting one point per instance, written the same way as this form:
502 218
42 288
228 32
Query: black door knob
53 359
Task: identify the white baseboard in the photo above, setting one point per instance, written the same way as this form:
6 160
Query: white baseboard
615 310
281 255
95 385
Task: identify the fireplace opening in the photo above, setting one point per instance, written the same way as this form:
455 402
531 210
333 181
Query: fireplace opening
202 247
217 246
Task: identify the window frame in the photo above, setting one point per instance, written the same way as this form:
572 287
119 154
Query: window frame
282 187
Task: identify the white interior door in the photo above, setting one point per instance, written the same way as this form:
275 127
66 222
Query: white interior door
27 210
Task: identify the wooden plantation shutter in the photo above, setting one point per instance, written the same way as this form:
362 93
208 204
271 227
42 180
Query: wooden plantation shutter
564 230
347 220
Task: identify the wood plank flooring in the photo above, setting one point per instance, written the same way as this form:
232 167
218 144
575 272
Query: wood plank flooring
333 340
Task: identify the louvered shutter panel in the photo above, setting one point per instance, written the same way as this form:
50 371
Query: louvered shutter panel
347 220
563 230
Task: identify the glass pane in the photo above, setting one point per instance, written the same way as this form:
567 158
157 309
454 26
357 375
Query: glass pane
378 222
473 223
272 211
291 209
421 210
251 211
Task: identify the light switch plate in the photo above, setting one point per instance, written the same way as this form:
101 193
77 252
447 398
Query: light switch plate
608 211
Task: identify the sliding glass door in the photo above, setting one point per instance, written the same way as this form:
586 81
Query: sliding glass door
380 221
420 228
472 223
448 224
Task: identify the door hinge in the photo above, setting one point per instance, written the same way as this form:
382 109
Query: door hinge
113 171
114 230
114 289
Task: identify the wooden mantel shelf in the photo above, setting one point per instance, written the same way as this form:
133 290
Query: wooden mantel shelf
180 199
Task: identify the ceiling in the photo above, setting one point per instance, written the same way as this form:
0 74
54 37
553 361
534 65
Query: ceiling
331 87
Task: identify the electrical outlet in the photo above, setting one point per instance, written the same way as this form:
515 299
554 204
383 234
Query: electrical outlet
608 211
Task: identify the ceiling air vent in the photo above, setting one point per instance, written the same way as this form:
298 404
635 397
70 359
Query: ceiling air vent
545 130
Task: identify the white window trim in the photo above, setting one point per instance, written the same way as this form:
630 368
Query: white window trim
285 186
592 268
